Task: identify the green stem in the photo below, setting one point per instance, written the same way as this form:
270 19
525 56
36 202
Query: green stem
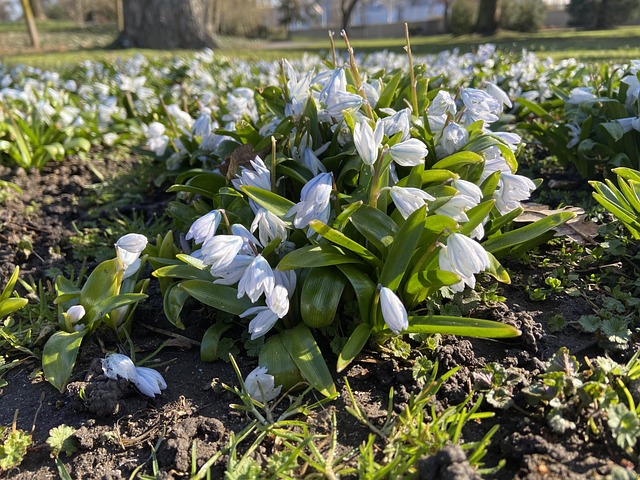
414 92
374 189
273 164
356 77
333 49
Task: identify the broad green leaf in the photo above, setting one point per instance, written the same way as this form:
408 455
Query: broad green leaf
104 282
172 303
65 290
490 184
276 358
631 194
470 327
457 160
389 92
192 261
363 287
109 304
320 296
59 356
341 220
10 305
476 216
8 288
376 226
354 346
627 173
311 256
273 202
429 281
211 341
182 271
497 223
402 249
307 356
221 297
342 240
497 271
614 129
524 234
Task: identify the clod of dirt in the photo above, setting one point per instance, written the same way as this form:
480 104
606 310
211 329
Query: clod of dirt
450 463
518 445
102 396
177 449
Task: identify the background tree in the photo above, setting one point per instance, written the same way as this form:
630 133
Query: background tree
346 10
167 24
487 21
31 24
601 14
38 9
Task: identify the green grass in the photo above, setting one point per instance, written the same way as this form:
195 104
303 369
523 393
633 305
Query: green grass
67 43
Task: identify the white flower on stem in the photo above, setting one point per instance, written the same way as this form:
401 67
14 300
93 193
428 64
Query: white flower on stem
630 123
633 92
393 311
269 226
368 140
580 94
512 189
311 161
149 381
468 189
204 228
479 106
128 250
257 279
117 365
314 202
202 126
278 300
258 177
181 118
408 199
288 278
464 257
574 132
453 138
469 195
261 386
75 313
341 101
250 241
442 104
221 250
157 141
409 153
396 122
232 273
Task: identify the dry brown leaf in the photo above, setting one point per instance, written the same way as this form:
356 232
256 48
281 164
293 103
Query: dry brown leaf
579 229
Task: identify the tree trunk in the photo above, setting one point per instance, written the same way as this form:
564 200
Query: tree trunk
78 7
37 9
119 15
346 8
167 24
31 24
487 23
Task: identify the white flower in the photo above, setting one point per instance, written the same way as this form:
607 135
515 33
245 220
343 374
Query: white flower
75 313
468 189
409 199
311 161
442 104
258 177
497 93
464 257
149 381
367 141
157 141
512 189
221 250
314 202
204 228
264 320
630 123
480 106
117 365
393 311
580 94
453 138
396 122
409 153
257 279
202 125
233 272
261 386
128 250
269 226
469 195
250 241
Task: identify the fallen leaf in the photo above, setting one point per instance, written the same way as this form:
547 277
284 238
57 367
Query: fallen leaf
580 229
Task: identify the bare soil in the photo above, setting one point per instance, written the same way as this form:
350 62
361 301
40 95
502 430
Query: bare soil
117 427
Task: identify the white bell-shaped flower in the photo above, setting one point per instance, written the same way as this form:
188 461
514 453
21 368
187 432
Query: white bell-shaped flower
204 227
257 279
368 140
261 386
464 257
409 199
75 313
409 153
221 250
314 202
393 311
128 250
117 365
149 381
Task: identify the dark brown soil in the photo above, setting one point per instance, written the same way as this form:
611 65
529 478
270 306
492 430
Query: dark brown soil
118 428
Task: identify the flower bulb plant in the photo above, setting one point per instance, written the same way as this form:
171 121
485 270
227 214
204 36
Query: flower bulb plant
390 205
108 297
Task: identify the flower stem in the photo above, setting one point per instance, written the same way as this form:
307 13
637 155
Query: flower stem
374 188
273 164
414 92
356 76
333 49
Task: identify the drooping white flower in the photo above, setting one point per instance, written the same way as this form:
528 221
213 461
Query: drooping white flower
204 228
75 313
257 279
232 273
202 126
453 138
314 202
468 189
408 199
221 250
117 365
442 104
629 123
499 94
396 122
269 226
368 140
479 106
311 161
149 381
259 176
512 189
464 257
157 141
250 241
580 94
409 153
261 386
393 311
128 250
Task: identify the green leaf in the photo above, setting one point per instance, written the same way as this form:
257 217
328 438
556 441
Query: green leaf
470 327
342 240
311 256
61 439
306 354
59 356
104 282
273 202
530 232
458 160
363 287
221 297
389 92
182 271
110 304
8 288
320 296
276 358
13 449
497 271
429 281
476 215
377 227
11 305
172 303
354 346
497 223
402 249
211 341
